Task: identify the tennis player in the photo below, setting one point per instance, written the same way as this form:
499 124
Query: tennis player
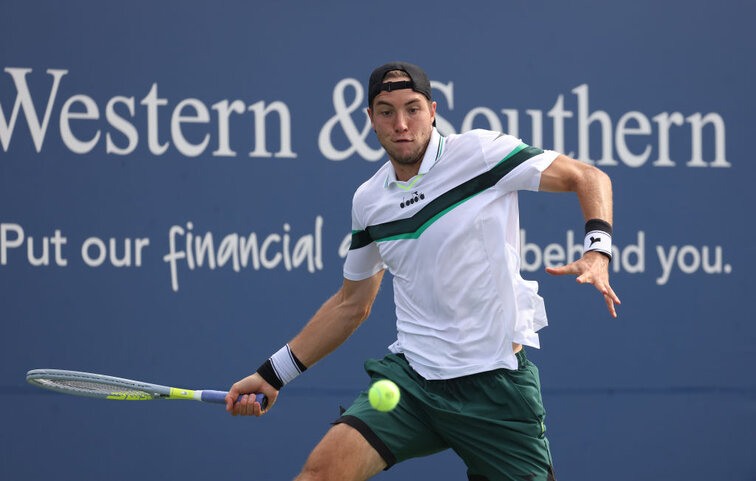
442 216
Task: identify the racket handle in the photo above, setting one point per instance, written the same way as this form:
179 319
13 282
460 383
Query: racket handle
219 397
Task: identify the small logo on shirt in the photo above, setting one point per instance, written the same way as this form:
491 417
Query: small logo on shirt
414 197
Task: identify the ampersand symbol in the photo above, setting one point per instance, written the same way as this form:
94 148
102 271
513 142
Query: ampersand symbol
344 118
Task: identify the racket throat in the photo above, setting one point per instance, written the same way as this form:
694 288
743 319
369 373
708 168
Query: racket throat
176 393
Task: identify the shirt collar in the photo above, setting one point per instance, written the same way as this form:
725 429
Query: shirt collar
432 153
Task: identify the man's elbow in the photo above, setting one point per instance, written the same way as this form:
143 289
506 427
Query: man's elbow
360 313
355 310
601 177
591 177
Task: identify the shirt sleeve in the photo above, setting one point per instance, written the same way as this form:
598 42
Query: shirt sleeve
364 258
518 164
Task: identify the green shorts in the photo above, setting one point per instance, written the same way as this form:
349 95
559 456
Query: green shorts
492 420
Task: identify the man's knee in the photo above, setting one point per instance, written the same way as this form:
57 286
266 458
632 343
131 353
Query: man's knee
321 465
342 454
312 473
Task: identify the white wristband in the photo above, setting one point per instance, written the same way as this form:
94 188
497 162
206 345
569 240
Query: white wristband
598 240
284 365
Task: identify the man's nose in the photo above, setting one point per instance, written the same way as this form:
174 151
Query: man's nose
400 122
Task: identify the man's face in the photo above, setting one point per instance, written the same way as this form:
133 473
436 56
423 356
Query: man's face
403 120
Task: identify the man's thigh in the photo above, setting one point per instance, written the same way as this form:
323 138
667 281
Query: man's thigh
500 434
404 432
342 454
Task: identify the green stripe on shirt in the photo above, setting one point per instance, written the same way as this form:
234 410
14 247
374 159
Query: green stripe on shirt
413 227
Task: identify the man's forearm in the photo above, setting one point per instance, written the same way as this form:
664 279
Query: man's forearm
594 191
331 325
336 320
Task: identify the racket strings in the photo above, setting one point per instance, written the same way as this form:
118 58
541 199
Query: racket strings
88 387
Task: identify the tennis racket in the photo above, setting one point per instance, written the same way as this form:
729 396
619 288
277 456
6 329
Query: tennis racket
109 387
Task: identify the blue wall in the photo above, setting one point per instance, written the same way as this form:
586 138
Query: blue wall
158 124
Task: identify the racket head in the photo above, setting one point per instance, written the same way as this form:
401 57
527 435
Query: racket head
93 385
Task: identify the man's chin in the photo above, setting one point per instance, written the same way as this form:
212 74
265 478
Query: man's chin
406 158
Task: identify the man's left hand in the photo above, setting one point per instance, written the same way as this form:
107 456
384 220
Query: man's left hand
592 268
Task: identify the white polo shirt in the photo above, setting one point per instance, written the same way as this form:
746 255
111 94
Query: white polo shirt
450 237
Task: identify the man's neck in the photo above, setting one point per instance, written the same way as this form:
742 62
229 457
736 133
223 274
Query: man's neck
405 172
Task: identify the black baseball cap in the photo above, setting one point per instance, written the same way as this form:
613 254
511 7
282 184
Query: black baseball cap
419 81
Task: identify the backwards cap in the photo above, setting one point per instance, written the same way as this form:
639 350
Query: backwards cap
418 80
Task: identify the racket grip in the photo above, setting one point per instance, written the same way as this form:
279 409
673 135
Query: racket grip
219 397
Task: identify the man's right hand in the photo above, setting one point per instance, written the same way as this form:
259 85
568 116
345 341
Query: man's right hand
247 388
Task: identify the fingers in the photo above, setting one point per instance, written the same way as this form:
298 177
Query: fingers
247 405
610 306
562 270
610 298
612 295
230 398
591 272
602 285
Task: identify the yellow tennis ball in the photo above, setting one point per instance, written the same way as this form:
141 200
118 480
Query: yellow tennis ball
384 395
